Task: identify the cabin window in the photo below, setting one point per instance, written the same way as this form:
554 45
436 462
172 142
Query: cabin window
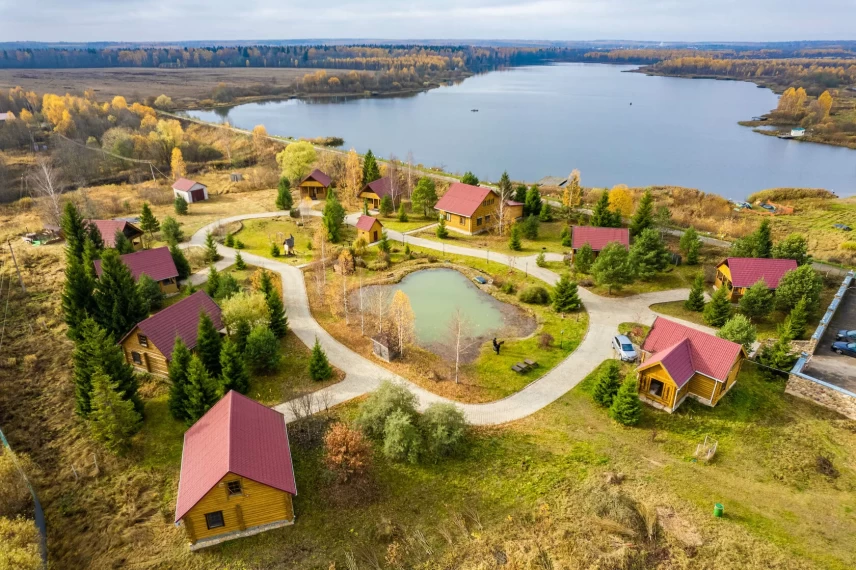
656 388
448 217
461 220
478 221
234 488
487 219
214 520
144 340
135 356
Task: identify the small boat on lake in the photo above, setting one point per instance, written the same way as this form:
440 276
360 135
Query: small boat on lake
474 110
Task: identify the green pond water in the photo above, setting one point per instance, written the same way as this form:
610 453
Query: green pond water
435 294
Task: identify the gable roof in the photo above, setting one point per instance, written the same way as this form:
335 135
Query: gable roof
462 199
684 351
382 187
317 176
185 184
746 271
108 229
237 435
597 238
365 223
156 263
179 320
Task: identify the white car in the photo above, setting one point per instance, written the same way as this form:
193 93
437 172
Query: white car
622 345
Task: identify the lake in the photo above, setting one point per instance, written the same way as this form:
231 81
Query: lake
547 120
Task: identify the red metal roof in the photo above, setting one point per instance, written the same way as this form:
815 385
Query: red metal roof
681 349
317 176
237 435
746 271
156 263
179 320
462 199
597 238
185 184
108 229
382 187
365 223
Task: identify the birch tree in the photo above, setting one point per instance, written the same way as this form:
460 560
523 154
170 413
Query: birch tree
460 337
378 302
402 319
503 194
353 176
45 181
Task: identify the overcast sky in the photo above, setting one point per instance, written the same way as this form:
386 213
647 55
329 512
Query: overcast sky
683 20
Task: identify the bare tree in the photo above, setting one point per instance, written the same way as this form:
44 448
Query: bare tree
460 337
378 302
409 174
362 312
45 182
224 137
393 172
401 319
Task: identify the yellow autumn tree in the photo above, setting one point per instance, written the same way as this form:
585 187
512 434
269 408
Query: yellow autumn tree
66 125
353 176
260 135
401 320
26 116
179 169
801 98
825 102
53 107
620 200
119 102
149 122
573 192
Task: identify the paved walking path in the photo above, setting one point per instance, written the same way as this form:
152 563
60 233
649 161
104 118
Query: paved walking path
362 375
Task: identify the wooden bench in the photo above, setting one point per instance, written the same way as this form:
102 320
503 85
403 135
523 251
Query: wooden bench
531 363
520 368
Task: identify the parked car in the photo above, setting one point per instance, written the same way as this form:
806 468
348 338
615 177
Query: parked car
842 227
848 348
622 345
768 207
846 336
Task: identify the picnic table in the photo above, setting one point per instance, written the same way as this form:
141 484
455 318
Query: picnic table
525 366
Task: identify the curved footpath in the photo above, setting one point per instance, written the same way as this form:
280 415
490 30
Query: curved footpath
362 375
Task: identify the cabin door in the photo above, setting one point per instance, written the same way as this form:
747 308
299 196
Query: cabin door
197 195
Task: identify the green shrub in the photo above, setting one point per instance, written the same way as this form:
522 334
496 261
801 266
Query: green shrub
626 407
402 440
508 288
535 295
262 351
608 383
388 398
444 428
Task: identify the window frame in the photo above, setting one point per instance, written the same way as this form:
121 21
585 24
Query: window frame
653 392
479 221
214 514
143 340
136 357
229 489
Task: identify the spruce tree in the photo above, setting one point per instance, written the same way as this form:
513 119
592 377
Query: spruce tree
566 237
695 301
94 234
530 227
779 355
442 232
718 310
365 207
584 259
608 383
690 245
284 200
802 282
649 254
239 262
402 215
242 333
274 250
200 393
386 206
643 218
121 243
795 247
506 192
546 214
532 206
613 267
266 284
763 240
75 231
211 254
234 376
278 323
319 367
181 263
514 242
371 171
113 418
626 407
150 293
178 379
119 306
601 216
229 241
692 253
90 254
213 281
180 206
148 222
333 217
797 320
738 329
171 231
520 194
470 178
208 344
565 295
77 301
757 301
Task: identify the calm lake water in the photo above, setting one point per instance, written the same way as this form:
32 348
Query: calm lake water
548 120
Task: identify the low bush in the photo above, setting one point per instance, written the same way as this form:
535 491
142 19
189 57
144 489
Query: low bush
388 398
545 340
535 295
508 288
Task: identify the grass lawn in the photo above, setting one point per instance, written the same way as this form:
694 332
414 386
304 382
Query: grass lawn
413 222
548 239
635 331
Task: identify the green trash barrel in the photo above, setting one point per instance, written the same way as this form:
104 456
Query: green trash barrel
718 510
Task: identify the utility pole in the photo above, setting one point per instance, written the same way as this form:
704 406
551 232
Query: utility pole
17 270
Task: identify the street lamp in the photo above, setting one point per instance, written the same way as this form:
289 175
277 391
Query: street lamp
562 340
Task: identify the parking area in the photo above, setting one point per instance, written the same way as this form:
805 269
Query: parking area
834 368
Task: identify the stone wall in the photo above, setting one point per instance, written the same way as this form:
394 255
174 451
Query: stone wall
821 393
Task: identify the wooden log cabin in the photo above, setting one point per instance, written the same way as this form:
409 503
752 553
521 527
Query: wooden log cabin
156 263
108 229
148 346
598 238
236 477
679 362
369 228
315 185
737 274
374 192
475 209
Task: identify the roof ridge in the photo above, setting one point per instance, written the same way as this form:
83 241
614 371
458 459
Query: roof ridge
231 397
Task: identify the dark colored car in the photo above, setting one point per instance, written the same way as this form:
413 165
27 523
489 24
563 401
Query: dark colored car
843 227
846 336
848 348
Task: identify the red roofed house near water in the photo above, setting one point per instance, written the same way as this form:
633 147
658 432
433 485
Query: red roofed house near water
475 209
374 192
314 185
108 229
156 263
369 228
598 238
679 362
737 274
148 346
191 190
237 477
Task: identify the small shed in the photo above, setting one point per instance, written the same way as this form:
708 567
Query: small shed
236 177
383 348
369 228
191 190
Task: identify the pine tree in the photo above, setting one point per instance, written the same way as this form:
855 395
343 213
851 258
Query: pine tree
797 320
565 295
601 216
584 259
470 178
213 281
150 293
333 217
371 171
692 253
74 228
77 301
242 333
689 242
514 242
266 284
695 301
442 232
148 221
234 376
171 230
284 199
779 355
532 206
180 206
764 240
383 243
239 262
119 306
608 383
113 418
718 310
626 407
802 282
208 344
520 194
546 214
178 364
643 218
530 227
757 301
229 241
278 323
402 215
613 267
200 393
274 250
386 206
365 207
566 237
738 329
181 263
795 247
93 234
319 367
649 254
121 243
211 254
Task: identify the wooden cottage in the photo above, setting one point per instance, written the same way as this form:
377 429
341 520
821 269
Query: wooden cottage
156 263
598 238
108 229
737 274
369 228
191 190
373 193
314 186
680 362
236 477
148 346
475 209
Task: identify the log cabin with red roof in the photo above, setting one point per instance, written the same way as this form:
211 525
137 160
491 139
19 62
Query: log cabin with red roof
374 192
237 477
156 263
679 362
314 185
148 346
369 228
475 209
598 238
108 229
737 274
